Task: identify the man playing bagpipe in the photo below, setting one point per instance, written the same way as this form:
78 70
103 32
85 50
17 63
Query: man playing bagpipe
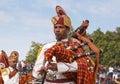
59 59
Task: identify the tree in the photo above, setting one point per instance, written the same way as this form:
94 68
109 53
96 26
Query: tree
109 42
71 32
32 54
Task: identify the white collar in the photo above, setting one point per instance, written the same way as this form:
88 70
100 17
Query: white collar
64 40
10 68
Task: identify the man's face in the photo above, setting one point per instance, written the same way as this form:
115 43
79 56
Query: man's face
61 32
12 64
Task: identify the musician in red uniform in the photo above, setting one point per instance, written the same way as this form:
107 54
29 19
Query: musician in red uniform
59 69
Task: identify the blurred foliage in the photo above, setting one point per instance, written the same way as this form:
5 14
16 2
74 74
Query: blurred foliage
32 54
109 42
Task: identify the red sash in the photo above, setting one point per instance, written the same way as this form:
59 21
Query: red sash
12 73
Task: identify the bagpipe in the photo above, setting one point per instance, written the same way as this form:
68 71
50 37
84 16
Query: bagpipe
67 54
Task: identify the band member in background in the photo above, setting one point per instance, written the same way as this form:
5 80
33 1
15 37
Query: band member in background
10 74
3 60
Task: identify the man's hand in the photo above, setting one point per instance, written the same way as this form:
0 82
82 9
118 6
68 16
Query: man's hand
42 70
51 66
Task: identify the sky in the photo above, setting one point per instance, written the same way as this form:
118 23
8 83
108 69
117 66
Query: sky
24 21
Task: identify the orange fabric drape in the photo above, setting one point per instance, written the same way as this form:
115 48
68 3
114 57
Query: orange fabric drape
25 78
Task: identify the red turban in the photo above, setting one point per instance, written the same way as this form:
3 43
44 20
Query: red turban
61 17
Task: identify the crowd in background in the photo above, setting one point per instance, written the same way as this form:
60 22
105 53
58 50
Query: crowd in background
110 75
24 67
